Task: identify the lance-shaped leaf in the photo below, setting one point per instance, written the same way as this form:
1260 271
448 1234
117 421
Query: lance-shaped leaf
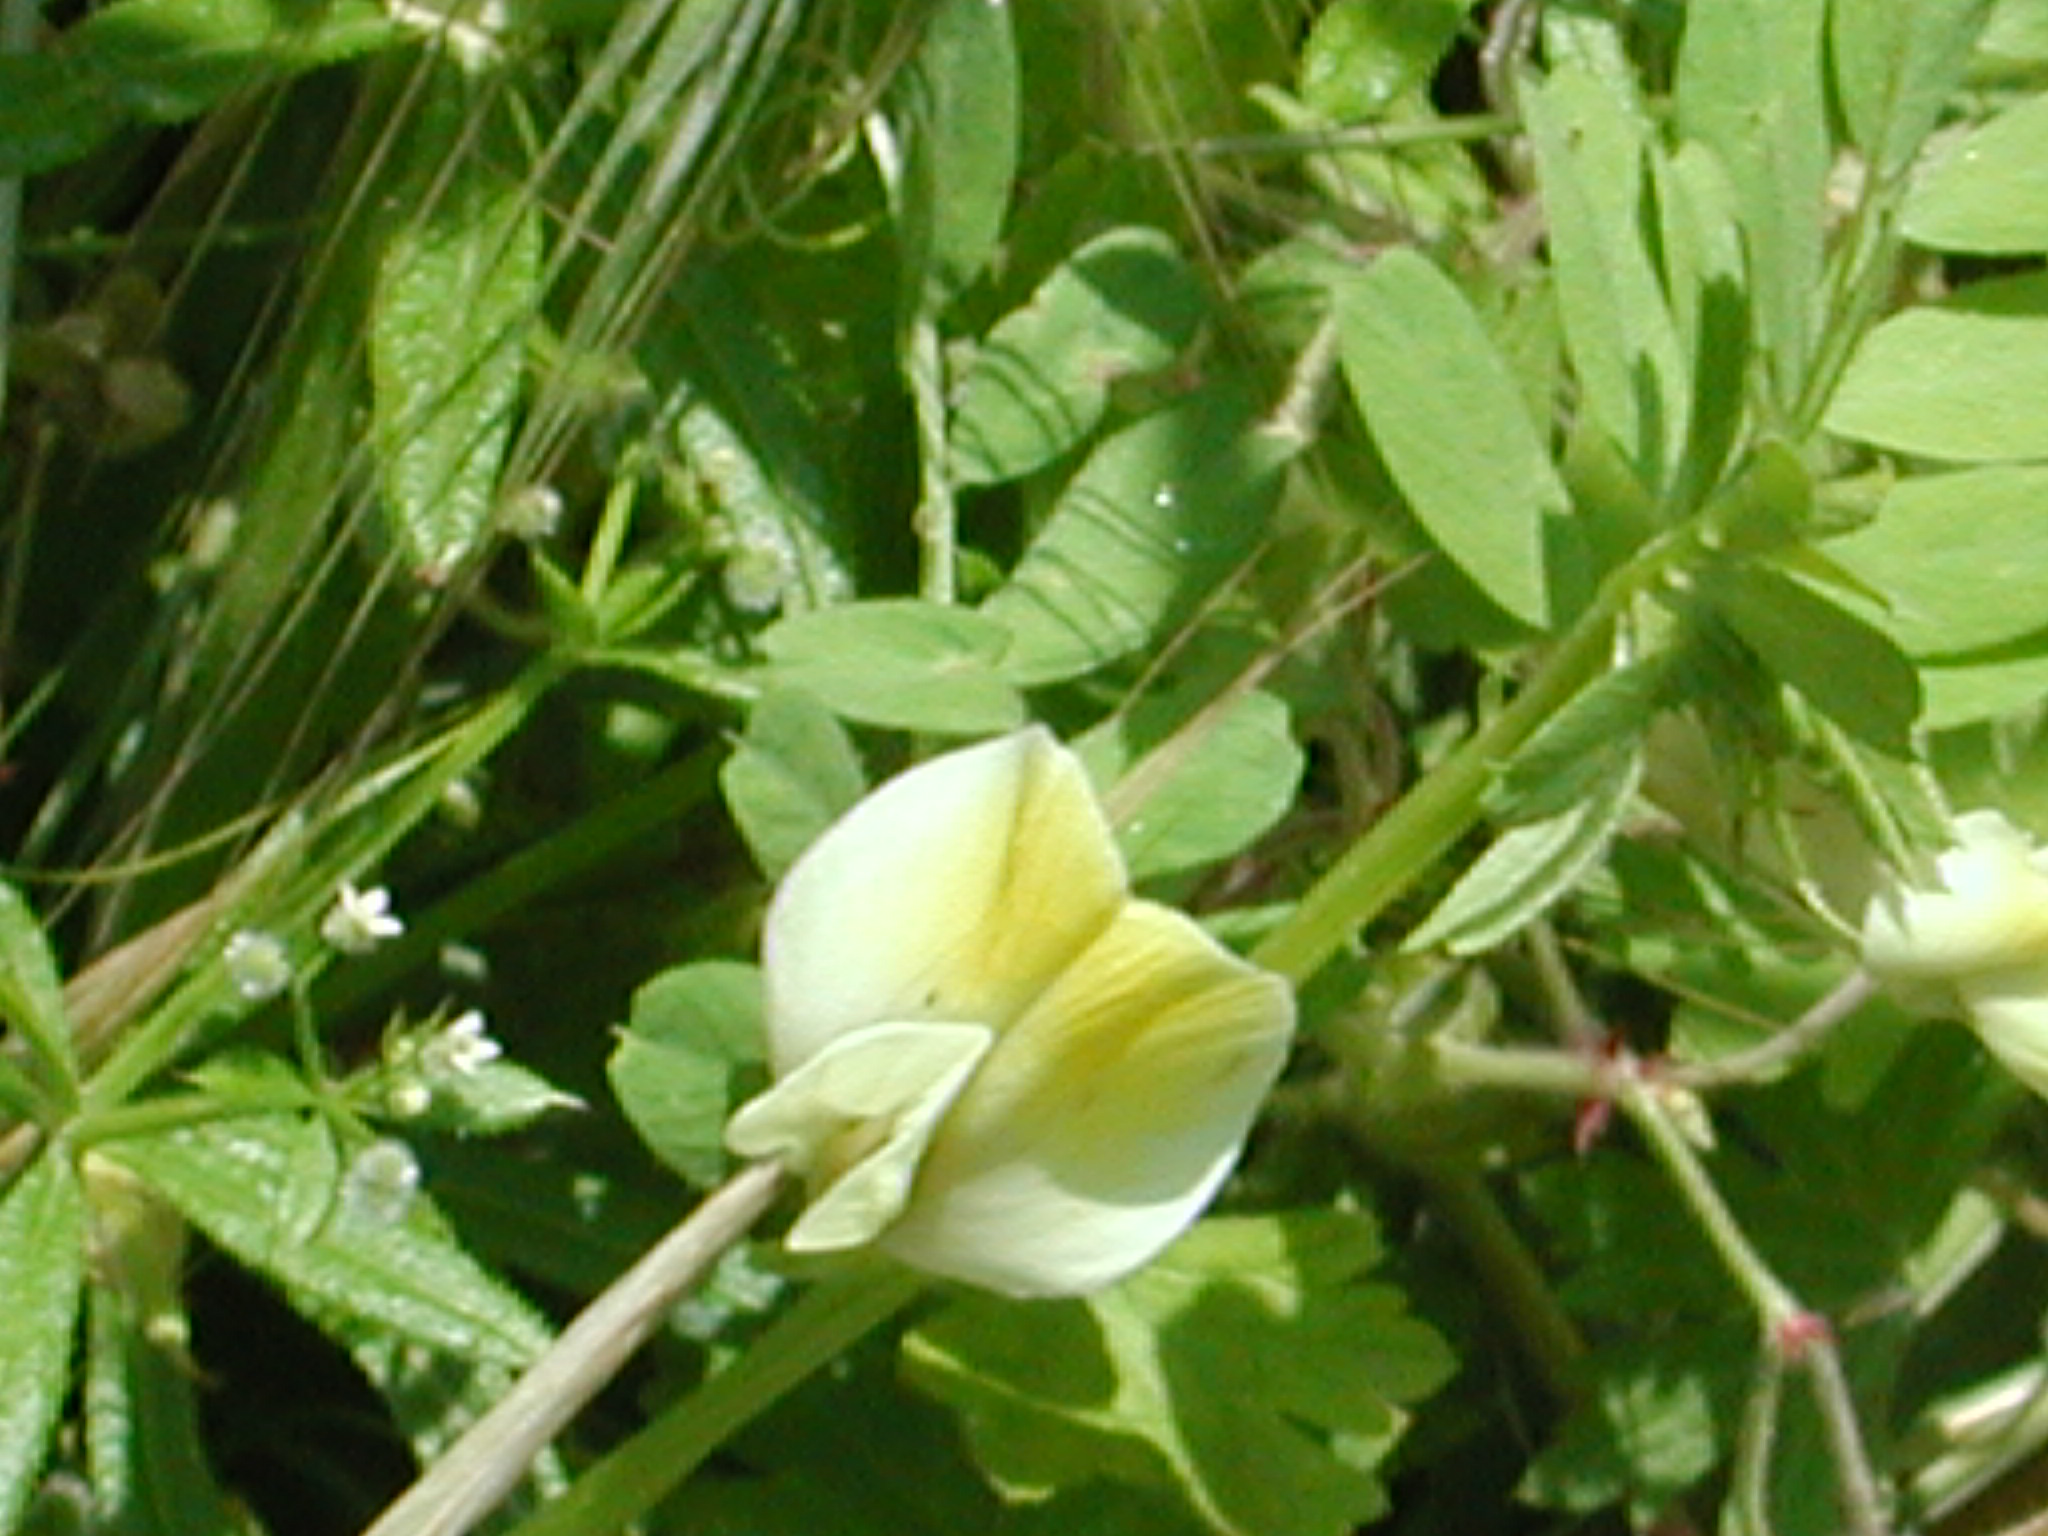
42 1269
1960 380
901 662
1433 388
164 61
1161 512
1124 303
1961 559
1590 147
1987 191
456 289
1750 88
1846 668
32 995
957 104
268 1189
1895 68
1531 866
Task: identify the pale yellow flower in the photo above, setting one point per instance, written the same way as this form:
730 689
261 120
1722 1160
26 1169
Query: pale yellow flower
1975 940
991 1060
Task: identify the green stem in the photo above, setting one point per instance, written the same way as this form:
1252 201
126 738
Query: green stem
935 518
1790 1330
154 1116
609 541
1472 128
640 1473
1798 1039
1521 1069
1432 816
1514 1281
1749 1493
1773 1303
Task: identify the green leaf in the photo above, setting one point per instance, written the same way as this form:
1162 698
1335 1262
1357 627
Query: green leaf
1160 512
267 1189
1846 668
1590 147
1124 303
693 1042
1362 54
1769 505
898 662
1959 380
144 1451
1701 247
1576 752
1895 67
1749 88
494 1098
1987 191
1431 385
164 61
1201 798
32 994
747 430
2017 33
1961 559
1966 691
456 289
148 1462
1247 1366
433 1397
1184 72
1646 1433
792 774
1531 866
42 1271
958 105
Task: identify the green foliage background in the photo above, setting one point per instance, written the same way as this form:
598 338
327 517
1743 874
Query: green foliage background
1528 510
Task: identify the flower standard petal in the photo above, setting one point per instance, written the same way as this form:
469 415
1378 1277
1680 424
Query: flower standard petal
957 890
1989 912
855 1119
1105 1118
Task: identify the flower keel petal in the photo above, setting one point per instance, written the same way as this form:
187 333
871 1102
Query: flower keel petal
855 1121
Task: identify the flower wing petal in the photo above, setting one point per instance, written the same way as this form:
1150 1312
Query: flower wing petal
855 1121
957 890
1105 1119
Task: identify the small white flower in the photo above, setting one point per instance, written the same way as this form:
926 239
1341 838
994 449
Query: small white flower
460 1047
408 1098
531 513
759 572
1975 940
992 1061
380 1183
360 920
257 964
